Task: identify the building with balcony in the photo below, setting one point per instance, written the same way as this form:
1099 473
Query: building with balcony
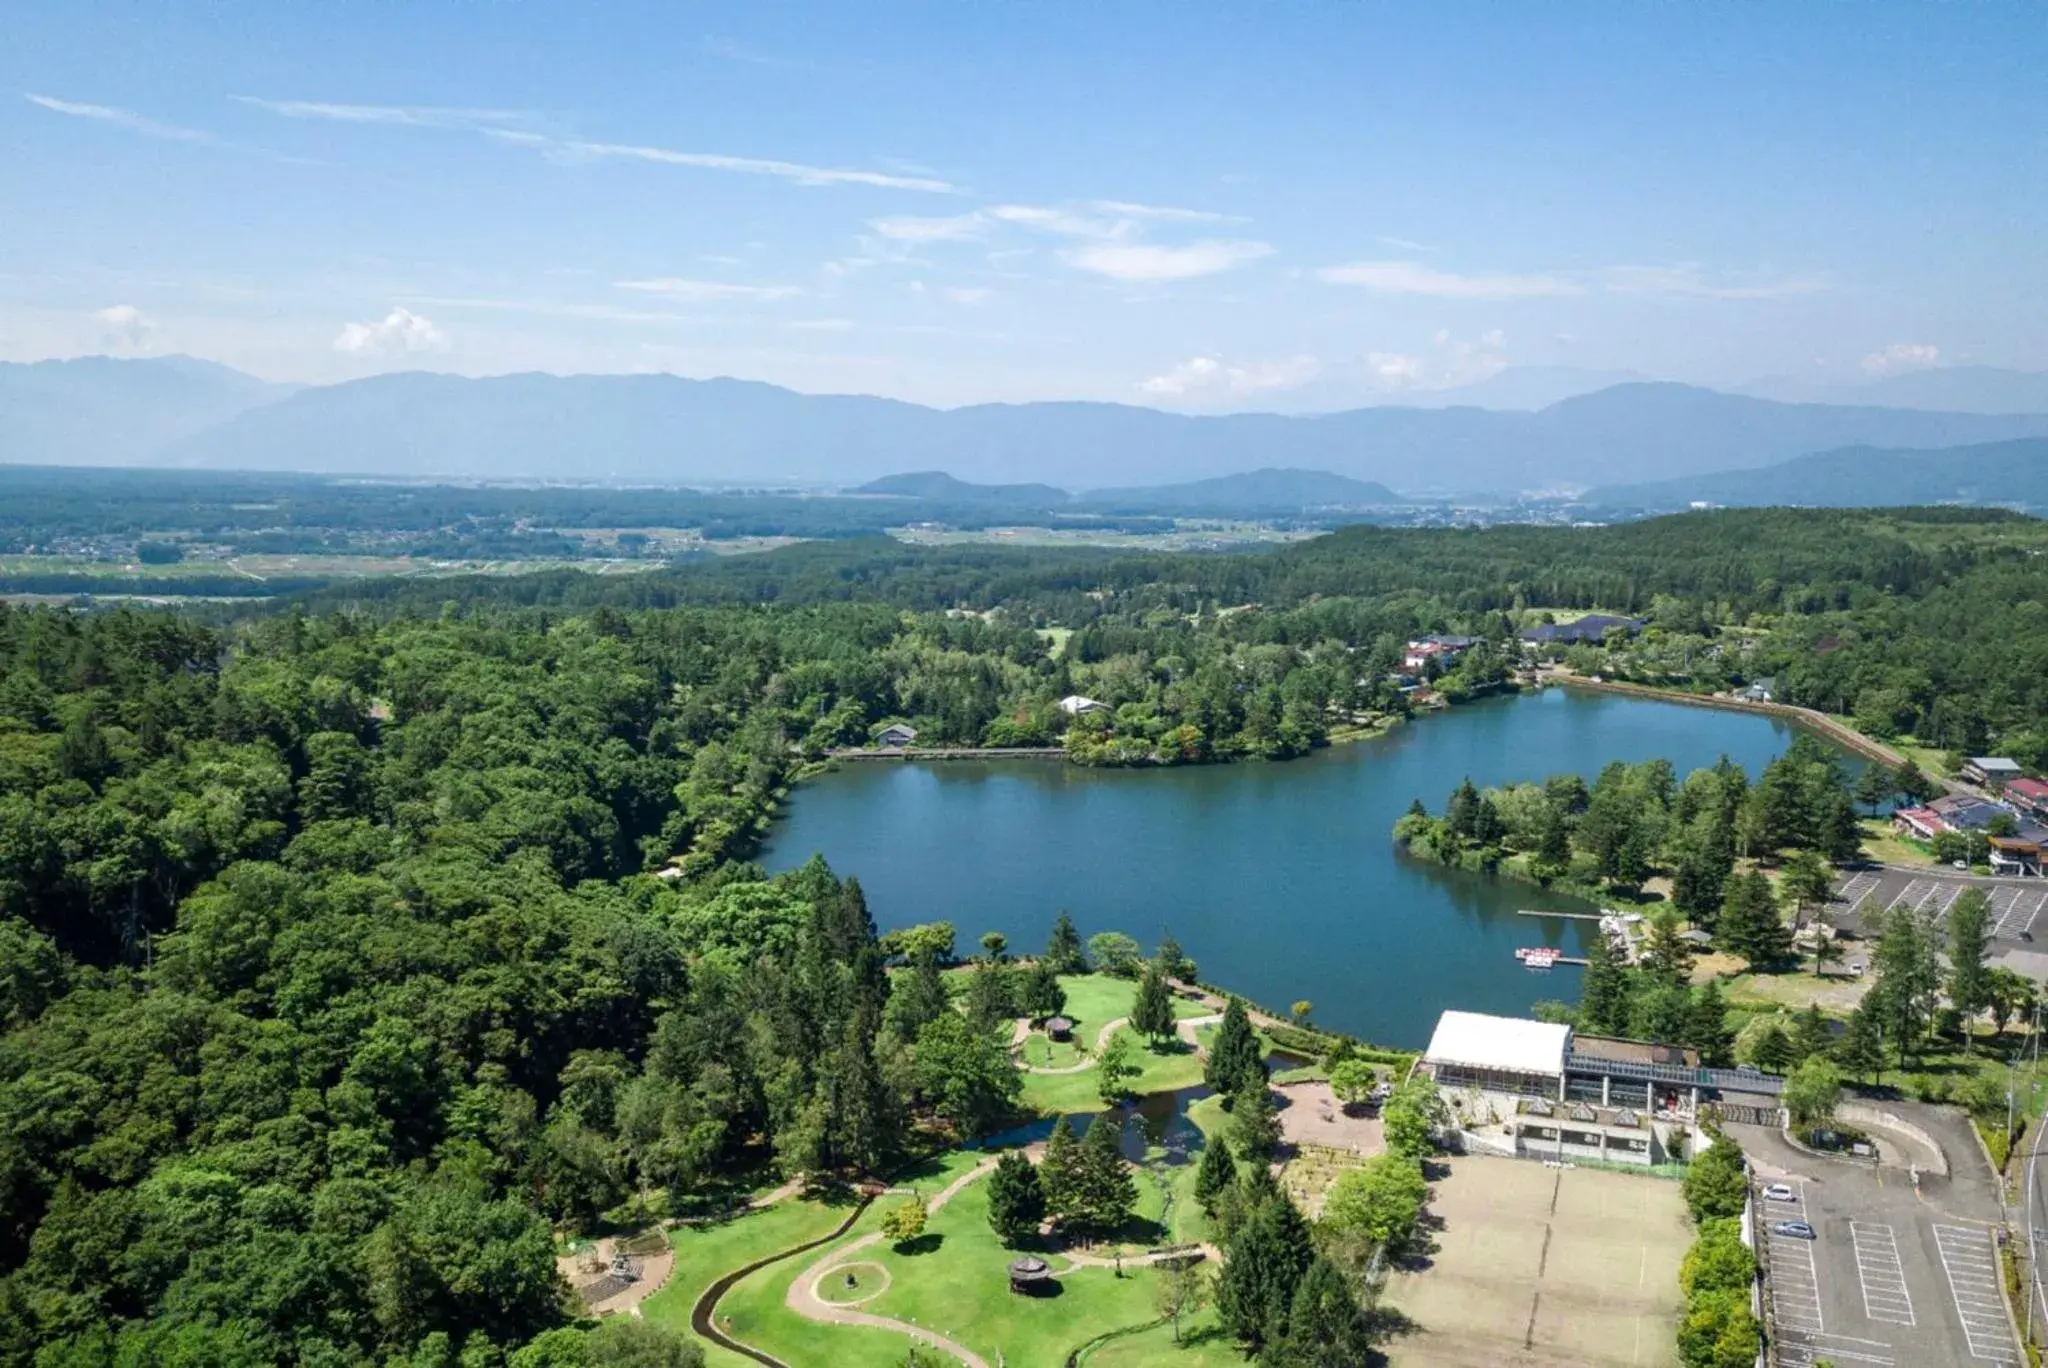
1537 1089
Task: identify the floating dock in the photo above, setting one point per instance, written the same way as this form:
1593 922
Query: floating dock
1565 916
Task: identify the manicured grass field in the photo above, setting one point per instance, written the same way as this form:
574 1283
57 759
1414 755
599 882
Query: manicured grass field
1177 1066
704 1253
754 1311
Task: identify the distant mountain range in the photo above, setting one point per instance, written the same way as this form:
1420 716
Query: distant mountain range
1952 389
2014 472
665 428
98 410
938 487
1246 495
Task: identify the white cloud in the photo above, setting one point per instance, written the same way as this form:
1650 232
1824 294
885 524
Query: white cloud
823 324
1205 377
1140 262
563 149
673 287
120 118
948 228
1494 337
1401 244
1164 213
126 328
1394 370
1408 277
1690 280
415 116
1901 356
399 332
969 294
1065 222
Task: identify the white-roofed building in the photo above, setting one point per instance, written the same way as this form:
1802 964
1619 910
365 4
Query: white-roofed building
1499 1054
1074 705
1537 1089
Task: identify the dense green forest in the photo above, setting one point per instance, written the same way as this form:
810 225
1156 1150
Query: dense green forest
335 968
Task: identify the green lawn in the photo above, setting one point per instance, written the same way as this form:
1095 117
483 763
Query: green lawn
704 1253
1177 1066
753 1311
952 1281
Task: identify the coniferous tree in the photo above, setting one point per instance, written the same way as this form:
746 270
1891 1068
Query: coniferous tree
1235 1061
1261 1269
1059 1173
1043 995
1326 1327
1908 977
1969 981
1256 1127
1152 1009
1603 1000
1553 855
1707 1027
1860 1051
1874 787
1173 961
1461 813
1772 1051
1216 1172
1063 951
1666 955
1810 1034
1107 1193
919 997
1750 924
1016 1201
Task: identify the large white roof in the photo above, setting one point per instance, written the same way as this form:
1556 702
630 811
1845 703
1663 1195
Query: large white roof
1506 1044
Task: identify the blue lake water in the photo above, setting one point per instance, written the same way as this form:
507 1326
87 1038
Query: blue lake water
1281 880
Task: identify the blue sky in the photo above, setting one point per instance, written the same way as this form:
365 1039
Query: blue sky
1283 205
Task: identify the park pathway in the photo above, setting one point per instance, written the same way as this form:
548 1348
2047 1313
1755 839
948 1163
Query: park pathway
803 1297
1023 1029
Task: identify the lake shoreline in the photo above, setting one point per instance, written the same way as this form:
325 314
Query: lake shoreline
1279 879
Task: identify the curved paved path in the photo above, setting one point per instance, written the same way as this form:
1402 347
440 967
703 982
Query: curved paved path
703 1318
1101 1039
803 1297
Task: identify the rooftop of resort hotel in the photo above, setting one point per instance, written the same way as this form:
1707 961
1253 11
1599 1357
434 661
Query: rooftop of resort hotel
1633 1051
1505 1044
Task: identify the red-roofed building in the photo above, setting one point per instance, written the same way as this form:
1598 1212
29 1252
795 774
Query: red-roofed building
2030 796
1917 822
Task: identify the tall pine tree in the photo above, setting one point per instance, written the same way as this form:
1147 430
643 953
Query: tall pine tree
1016 1201
1063 952
1152 1009
1234 1062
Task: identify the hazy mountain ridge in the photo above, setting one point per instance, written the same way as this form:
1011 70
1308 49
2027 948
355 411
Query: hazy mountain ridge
2013 472
1253 491
1951 389
103 410
667 428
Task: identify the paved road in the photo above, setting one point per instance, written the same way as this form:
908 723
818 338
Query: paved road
1898 1277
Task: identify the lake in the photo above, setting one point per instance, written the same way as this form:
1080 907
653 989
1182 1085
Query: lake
1281 880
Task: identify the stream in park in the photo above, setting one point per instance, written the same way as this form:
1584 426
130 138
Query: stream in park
1281 880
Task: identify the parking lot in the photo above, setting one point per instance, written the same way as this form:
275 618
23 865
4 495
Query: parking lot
1892 1277
2016 904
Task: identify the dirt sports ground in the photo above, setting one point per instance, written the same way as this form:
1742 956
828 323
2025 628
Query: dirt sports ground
1538 1267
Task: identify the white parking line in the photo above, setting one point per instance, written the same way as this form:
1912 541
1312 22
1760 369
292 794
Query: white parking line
1972 1267
1854 890
1885 1297
1795 1285
1802 1350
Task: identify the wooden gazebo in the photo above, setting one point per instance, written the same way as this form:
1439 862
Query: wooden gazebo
1060 1028
1029 1275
